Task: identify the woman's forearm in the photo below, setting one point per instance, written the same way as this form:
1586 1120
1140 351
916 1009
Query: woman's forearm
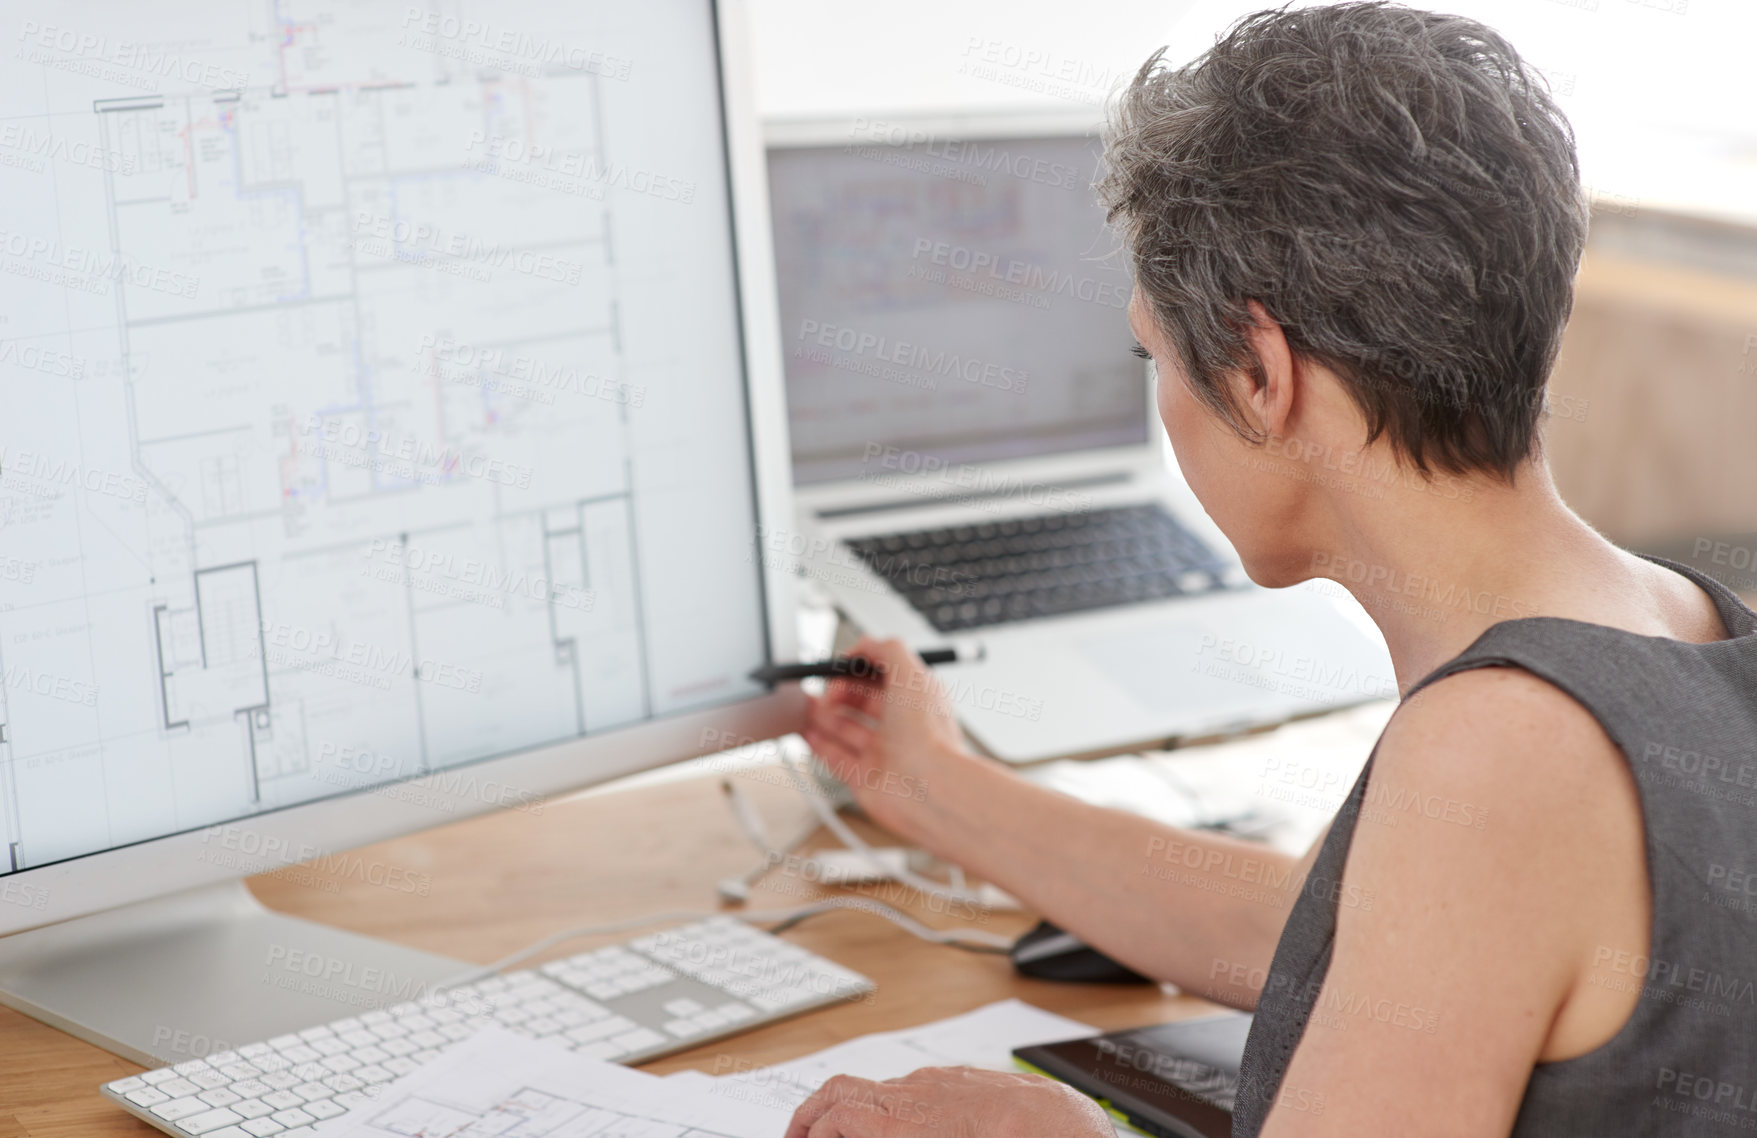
1200 910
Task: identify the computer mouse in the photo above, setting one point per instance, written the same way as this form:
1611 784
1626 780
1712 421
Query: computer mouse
1048 953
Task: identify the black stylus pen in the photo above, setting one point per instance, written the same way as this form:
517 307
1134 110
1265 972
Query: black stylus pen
856 667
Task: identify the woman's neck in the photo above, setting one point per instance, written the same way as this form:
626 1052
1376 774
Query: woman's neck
1446 562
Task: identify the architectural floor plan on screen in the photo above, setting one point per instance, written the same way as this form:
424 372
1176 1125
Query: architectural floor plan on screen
346 427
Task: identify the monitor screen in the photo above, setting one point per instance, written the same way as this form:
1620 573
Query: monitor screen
371 401
955 298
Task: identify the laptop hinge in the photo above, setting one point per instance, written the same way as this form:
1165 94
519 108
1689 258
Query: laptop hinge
974 496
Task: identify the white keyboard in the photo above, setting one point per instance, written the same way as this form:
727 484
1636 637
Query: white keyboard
627 1003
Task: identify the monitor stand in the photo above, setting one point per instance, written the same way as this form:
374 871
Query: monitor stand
206 970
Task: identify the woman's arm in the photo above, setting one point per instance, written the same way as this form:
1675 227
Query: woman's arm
1498 859
1501 851
1200 910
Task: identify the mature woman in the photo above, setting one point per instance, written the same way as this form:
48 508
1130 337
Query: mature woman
1355 231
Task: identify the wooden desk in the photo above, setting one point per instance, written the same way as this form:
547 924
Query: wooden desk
502 881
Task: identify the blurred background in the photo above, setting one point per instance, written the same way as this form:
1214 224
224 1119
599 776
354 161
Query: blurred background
1653 426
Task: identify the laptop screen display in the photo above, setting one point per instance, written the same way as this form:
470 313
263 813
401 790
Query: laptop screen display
949 301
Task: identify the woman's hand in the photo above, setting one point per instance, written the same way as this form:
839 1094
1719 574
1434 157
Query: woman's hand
894 740
949 1101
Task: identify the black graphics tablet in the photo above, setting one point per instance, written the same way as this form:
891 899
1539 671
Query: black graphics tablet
1173 1080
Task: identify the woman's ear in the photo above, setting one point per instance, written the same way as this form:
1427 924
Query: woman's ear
1271 399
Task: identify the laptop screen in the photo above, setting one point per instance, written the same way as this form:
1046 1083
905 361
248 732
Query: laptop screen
949 301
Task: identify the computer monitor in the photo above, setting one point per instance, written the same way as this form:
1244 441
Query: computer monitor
390 398
948 288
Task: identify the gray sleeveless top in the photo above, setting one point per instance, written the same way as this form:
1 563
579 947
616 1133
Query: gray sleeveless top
1685 718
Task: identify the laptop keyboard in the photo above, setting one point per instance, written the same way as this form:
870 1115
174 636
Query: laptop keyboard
970 576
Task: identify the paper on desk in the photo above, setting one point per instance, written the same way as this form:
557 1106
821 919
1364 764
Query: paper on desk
985 1037
497 1082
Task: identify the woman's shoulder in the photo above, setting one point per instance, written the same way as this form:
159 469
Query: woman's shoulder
1478 892
1508 736
1503 796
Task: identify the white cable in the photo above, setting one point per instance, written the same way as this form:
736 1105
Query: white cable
974 938
855 842
748 819
736 890
966 938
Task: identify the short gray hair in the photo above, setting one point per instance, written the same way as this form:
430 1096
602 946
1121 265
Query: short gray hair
1397 189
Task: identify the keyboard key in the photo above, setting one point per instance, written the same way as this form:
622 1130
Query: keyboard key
178 1088
262 1127
123 1086
282 1100
208 1080
220 1096
162 1075
179 1108
294 1117
638 1040
210 1120
251 1088
252 1108
147 1096
325 1109
601 1029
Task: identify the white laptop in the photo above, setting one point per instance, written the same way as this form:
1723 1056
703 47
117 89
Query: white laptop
976 456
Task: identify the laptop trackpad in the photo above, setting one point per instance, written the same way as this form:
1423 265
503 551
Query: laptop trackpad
1259 662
